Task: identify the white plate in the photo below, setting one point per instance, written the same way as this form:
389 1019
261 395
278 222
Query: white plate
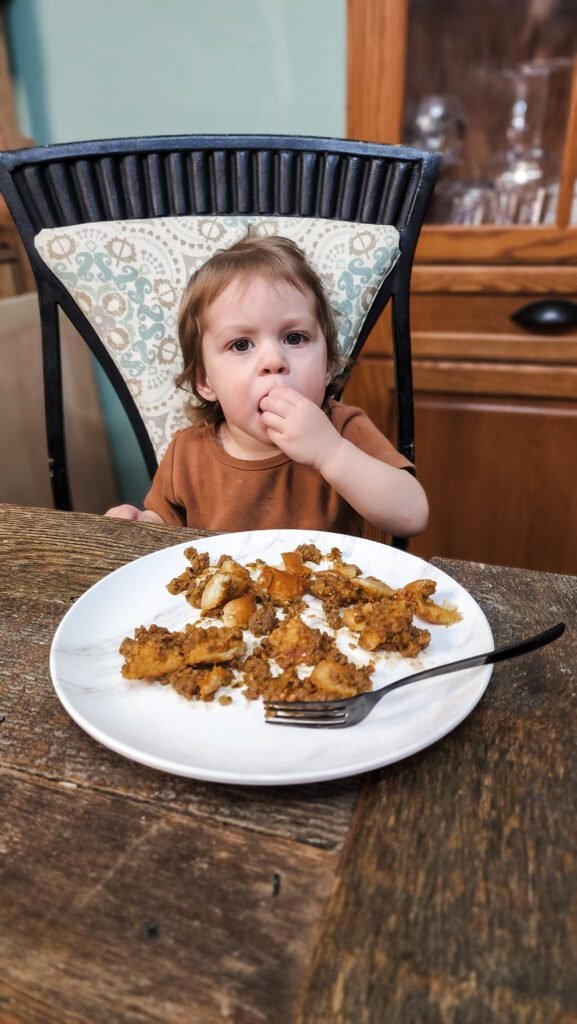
155 726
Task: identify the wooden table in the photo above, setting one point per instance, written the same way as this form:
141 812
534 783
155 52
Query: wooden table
440 889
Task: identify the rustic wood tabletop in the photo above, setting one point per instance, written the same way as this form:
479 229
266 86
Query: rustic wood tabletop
441 889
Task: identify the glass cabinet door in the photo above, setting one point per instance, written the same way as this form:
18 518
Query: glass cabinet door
489 85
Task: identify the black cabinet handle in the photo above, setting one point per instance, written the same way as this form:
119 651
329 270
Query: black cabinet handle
547 315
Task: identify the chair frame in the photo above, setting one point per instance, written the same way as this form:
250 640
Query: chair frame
169 176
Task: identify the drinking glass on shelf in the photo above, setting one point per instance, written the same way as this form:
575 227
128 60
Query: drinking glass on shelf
525 175
463 202
440 126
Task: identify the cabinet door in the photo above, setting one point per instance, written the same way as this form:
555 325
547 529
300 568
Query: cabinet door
499 472
500 475
493 94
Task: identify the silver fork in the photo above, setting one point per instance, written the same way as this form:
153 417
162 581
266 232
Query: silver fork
339 714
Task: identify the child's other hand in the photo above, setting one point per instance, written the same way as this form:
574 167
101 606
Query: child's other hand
299 427
136 514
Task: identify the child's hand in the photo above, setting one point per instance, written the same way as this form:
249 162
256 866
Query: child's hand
136 514
299 427
387 497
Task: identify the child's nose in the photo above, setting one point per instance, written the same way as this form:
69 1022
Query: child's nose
273 359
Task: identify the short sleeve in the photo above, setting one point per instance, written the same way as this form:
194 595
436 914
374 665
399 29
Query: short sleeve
355 426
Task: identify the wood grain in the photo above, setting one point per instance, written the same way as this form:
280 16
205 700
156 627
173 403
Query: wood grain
376 57
448 278
471 363
460 906
130 894
122 910
496 428
503 349
420 892
474 327
486 379
486 316
452 243
37 730
495 447
508 494
569 159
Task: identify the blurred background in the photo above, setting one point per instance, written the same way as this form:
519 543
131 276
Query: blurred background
162 67
492 86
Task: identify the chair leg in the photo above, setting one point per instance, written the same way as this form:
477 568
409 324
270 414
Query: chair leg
404 385
53 402
404 376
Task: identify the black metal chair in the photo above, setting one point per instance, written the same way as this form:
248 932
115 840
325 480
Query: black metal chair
140 178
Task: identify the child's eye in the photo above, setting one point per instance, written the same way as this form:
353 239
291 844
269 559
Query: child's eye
295 338
241 345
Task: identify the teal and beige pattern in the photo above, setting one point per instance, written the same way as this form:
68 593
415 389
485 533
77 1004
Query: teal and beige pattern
127 277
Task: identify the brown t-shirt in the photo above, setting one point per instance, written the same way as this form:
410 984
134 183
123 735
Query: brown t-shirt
198 484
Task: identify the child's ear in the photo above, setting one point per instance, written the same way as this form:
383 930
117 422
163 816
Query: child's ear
204 387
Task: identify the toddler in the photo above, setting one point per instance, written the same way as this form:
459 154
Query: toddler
268 448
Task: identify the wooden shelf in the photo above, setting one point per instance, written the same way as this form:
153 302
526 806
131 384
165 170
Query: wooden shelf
516 244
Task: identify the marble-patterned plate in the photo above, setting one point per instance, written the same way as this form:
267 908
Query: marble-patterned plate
155 726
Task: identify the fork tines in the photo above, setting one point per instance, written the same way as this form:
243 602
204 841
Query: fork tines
305 713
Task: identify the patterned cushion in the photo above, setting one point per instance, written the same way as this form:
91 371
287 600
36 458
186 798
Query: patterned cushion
127 277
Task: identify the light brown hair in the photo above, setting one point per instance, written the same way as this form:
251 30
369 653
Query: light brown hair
271 257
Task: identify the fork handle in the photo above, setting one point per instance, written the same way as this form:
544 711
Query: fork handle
488 658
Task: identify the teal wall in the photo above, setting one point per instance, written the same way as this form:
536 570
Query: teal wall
151 67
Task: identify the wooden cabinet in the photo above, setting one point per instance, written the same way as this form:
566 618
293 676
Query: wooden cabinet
495 401
496 428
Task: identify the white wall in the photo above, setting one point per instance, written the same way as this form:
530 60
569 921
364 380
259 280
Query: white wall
129 67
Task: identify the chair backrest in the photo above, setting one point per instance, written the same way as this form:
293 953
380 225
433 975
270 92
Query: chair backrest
113 229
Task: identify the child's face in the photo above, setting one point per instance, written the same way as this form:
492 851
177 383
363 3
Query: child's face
259 335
